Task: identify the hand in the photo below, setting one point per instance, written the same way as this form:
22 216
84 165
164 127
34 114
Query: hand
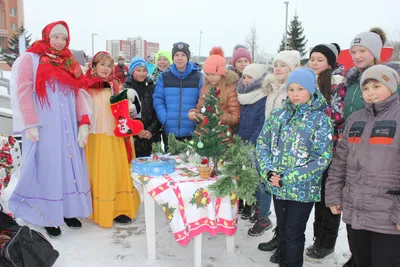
32 134
398 227
275 179
145 134
337 209
192 115
83 133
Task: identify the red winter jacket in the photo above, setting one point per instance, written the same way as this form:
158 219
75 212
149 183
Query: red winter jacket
119 73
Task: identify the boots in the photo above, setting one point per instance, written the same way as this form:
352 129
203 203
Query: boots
275 258
314 245
123 219
53 232
260 227
247 211
73 223
272 244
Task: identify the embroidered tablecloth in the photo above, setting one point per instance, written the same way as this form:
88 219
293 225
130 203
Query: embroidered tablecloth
188 204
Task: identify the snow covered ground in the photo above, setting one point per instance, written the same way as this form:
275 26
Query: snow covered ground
125 246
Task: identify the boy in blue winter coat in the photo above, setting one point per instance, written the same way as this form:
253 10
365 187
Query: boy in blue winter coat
177 91
293 150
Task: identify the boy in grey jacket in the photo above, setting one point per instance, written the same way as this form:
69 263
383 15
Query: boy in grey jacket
364 177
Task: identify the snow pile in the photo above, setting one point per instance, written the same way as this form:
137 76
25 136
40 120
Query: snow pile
125 246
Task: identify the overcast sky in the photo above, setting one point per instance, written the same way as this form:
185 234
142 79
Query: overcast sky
223 22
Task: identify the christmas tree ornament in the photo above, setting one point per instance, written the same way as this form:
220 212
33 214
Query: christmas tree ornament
155 157
228 133
204 161
209 108
200 144
244 167
205 121
203 110
120 109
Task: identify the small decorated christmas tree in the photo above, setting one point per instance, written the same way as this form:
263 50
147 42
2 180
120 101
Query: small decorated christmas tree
210 136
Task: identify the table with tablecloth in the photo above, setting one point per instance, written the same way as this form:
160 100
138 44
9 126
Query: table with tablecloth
188 204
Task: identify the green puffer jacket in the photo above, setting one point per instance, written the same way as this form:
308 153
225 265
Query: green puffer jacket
353 100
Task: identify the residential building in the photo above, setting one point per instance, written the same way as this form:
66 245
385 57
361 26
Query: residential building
11 18
132 47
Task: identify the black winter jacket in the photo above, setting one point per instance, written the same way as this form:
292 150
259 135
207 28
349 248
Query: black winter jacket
148 117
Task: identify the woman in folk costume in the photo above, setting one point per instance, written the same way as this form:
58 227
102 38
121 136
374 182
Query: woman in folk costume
51 107
108 153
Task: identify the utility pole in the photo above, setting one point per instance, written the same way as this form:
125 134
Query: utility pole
93 34
286 22
200 45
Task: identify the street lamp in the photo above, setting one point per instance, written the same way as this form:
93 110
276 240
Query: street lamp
200 44
287 4
93 34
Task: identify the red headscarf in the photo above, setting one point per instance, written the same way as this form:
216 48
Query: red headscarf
55 66
96 82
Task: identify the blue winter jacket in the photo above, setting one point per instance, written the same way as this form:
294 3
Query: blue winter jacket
175 94
252 99
252 119
296 142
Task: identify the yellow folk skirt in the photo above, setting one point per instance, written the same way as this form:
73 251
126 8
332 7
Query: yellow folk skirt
113 192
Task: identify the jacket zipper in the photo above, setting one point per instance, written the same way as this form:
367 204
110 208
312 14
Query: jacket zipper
180 107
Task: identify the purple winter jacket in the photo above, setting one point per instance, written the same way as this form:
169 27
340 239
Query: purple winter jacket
364 177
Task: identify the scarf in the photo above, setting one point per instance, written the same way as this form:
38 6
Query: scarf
55 66
93 81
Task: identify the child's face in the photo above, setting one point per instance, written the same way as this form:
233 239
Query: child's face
180 60
121 62
213 79
140 74
298 94
281 71
241 63
319 63
58 41
162 63
362 57
374 92
247 80
104 68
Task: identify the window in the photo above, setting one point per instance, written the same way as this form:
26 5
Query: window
13 27
2 16
2 42
13 12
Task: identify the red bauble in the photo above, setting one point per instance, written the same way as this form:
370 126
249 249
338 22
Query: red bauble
209 108
205 121
155 157
204 161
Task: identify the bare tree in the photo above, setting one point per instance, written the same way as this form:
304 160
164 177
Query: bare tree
394 41
252 42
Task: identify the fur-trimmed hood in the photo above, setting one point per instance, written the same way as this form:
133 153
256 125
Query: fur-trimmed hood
256 85
231 77
270 82
354 74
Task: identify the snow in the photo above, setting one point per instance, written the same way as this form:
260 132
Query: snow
125 246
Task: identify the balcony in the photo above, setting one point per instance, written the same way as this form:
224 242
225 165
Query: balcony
3 32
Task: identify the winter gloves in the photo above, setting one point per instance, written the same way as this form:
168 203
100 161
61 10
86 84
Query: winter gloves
134 103
83 133
32 134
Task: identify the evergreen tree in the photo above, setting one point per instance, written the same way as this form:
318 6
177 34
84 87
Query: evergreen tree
297 39
210 136
282 45
13 45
